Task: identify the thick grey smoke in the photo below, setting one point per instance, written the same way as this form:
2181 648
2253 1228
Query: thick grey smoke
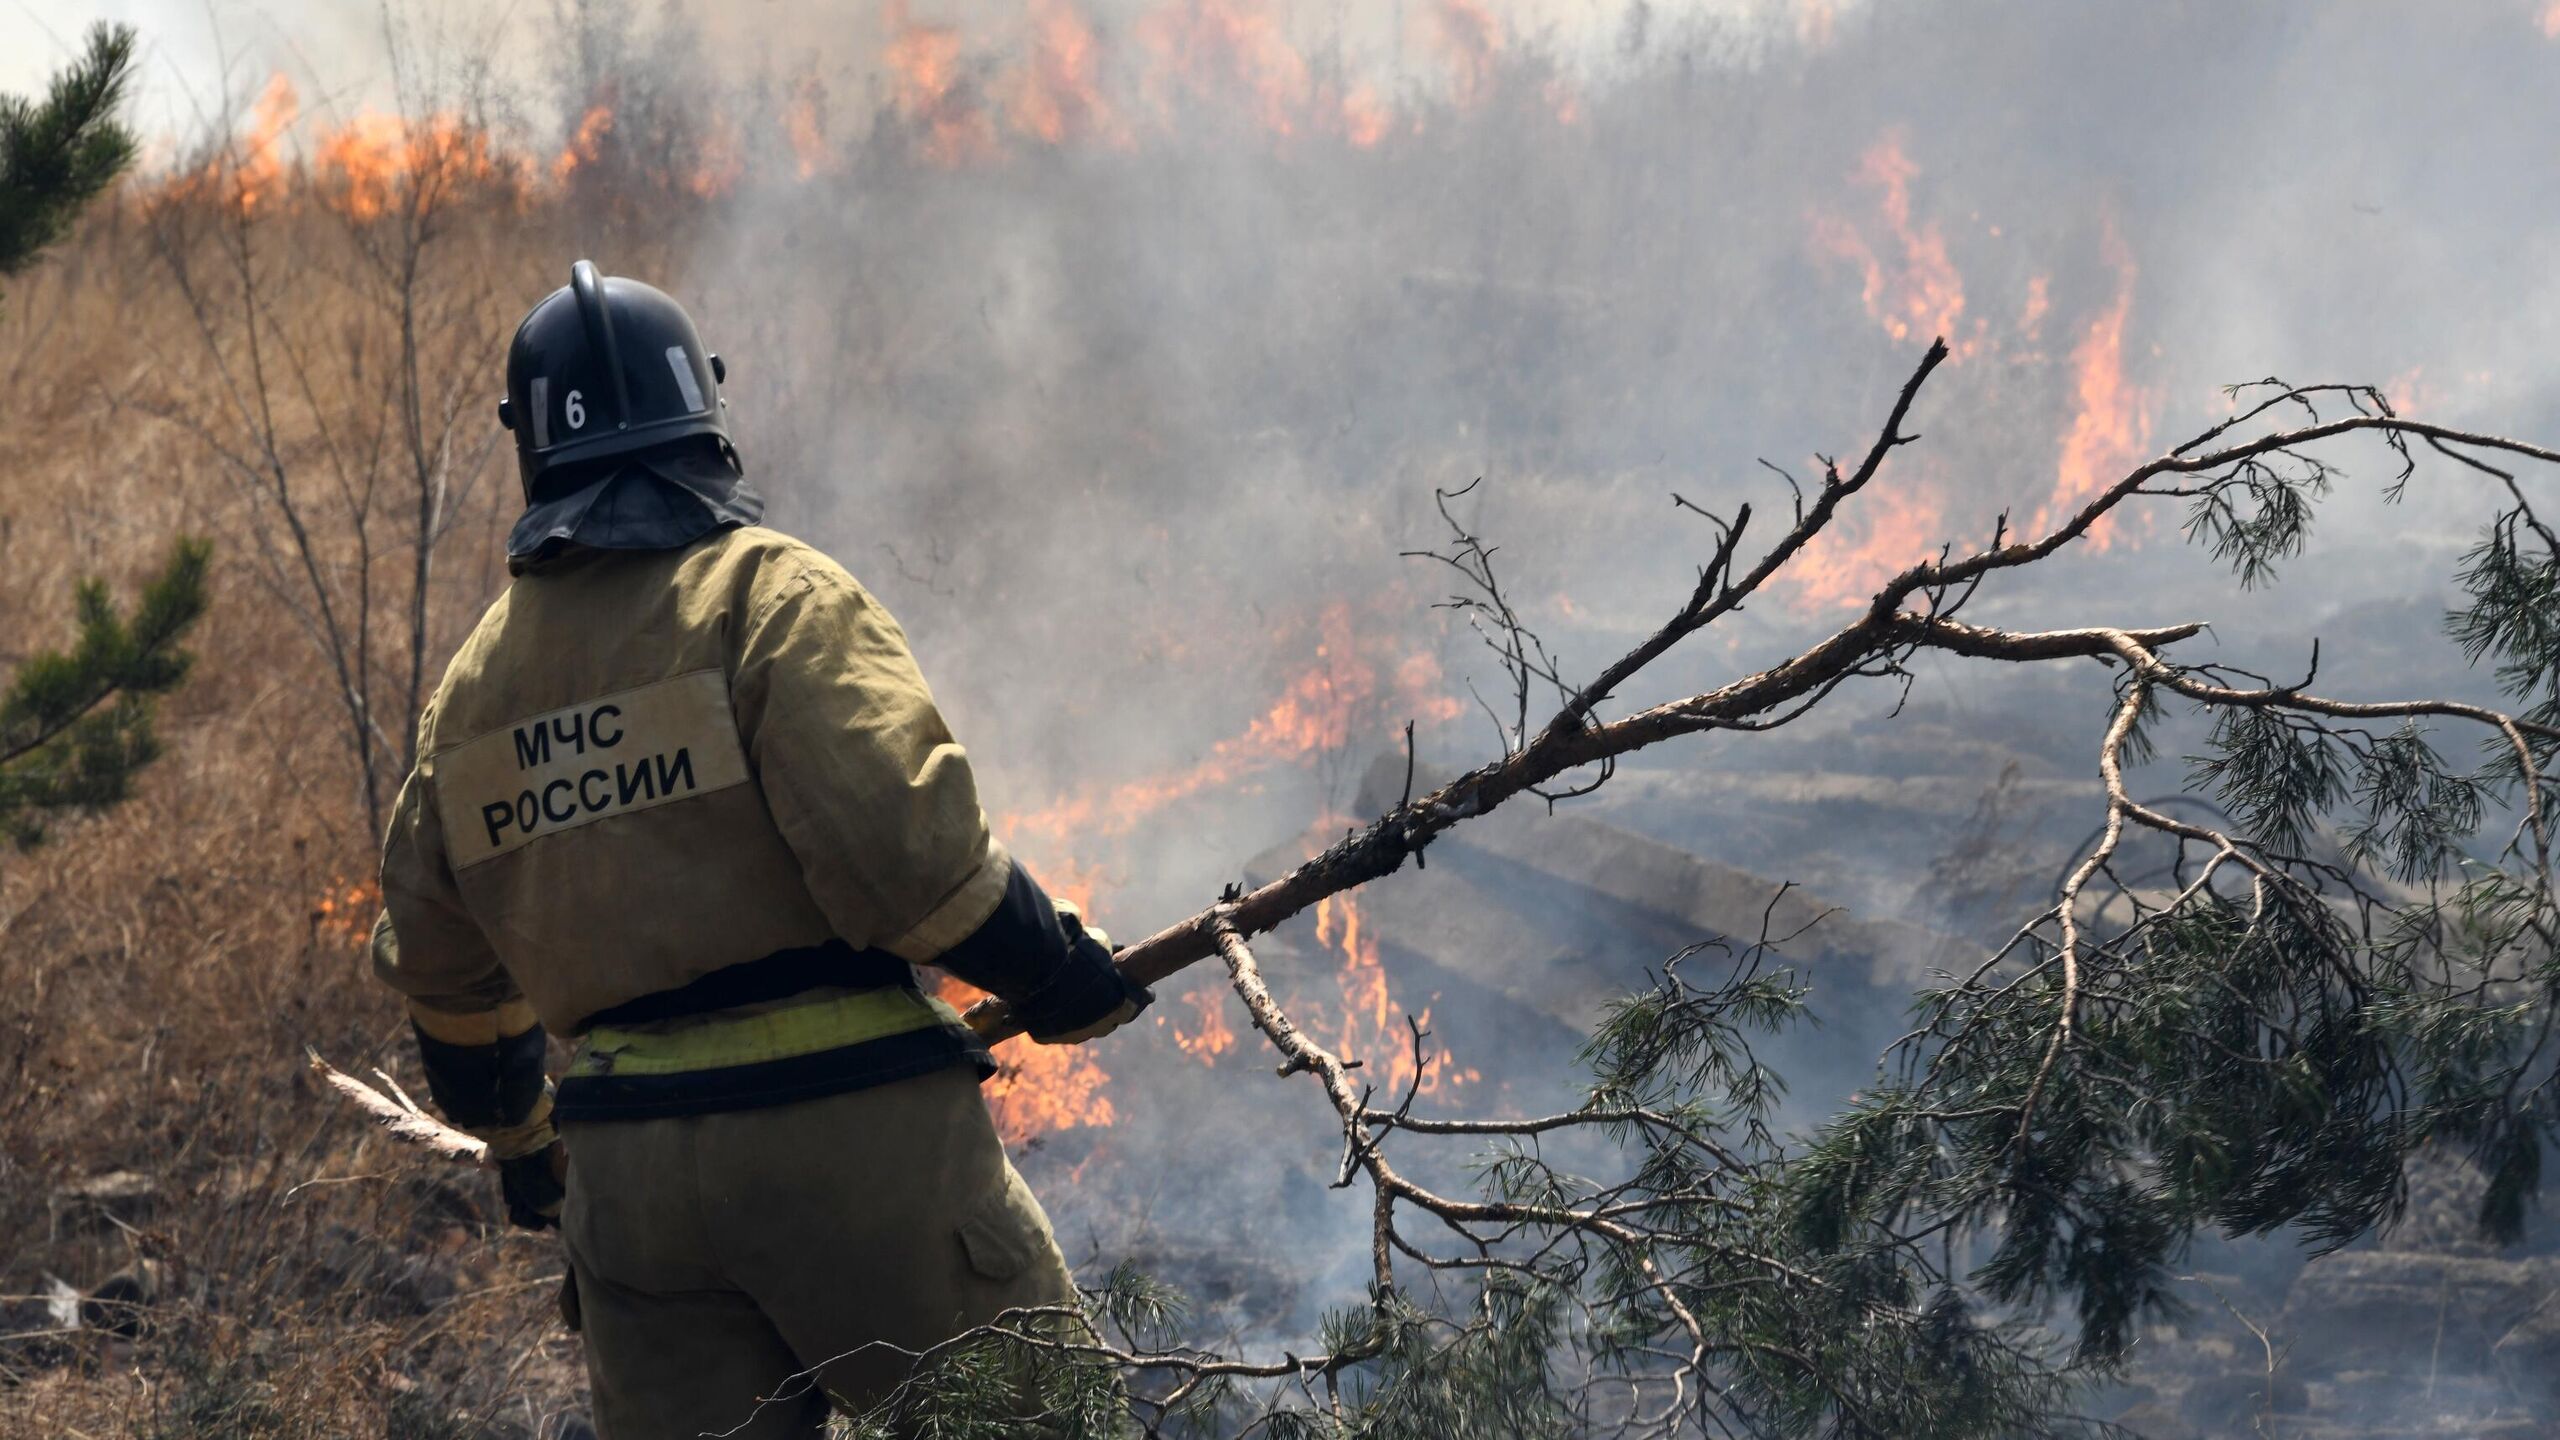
1111 422
1107 418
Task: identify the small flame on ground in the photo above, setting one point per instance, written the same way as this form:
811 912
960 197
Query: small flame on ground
1892 524
1369 1025
2039 303
1366 118
376 163
722 163
1564 100
1225 46
249 172
927 87
586 143
1919 293
804 127
1318 712
1207 1035
1038 1089
1923 296
2413 391
2408 391
261 171
1057 94
2112 428
344 912
1472 40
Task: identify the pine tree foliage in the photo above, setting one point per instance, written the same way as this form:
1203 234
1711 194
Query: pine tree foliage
76 724
2250 1036
59 153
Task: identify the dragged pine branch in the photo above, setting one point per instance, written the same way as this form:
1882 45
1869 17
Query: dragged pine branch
2358 962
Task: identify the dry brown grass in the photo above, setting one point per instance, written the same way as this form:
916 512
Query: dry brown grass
162 966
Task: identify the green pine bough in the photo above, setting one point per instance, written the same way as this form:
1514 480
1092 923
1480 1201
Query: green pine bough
59 153
76 724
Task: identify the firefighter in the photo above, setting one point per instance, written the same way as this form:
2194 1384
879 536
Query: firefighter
684 797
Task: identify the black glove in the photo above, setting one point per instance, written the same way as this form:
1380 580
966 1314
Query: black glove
534 1187
498 1092
1092 950
1045 962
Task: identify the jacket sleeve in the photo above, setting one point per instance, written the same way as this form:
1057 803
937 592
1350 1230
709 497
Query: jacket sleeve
876 798
478 1040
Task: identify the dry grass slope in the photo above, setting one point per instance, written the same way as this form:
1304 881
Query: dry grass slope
279 1270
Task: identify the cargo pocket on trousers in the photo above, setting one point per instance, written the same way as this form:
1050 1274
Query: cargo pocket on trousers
995 1237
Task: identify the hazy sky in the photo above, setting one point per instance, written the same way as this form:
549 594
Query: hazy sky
338 42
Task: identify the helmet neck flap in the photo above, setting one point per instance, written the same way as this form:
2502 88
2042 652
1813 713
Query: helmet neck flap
664 499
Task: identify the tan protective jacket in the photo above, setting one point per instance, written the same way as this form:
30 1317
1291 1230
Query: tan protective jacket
722 751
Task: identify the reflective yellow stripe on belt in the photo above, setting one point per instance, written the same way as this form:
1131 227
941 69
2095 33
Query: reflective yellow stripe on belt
717 1042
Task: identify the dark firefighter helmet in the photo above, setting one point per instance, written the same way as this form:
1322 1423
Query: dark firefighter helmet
607 366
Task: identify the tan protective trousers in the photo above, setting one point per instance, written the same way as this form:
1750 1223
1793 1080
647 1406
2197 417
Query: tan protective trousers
723 1260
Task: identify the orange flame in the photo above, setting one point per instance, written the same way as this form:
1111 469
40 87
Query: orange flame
2414 391
1349 683
1366 118
1209 1036
2551 21
804 126
260 173
1217 47
1563 100
369 155
2112 428
1372 1027
1472 40
722 163
343 913
2039 301
1038 1089
1925 296
376 162
1352 682
1056 95
586 144
927 88
1888 527
1073 883
248 172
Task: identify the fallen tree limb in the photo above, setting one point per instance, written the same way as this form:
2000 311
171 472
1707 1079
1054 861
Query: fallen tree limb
1888 632
1381 848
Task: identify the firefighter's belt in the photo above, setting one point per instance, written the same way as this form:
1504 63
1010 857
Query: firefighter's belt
817 1043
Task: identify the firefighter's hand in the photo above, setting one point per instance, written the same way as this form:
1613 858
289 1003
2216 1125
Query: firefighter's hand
534 1186
1127 1012
1071 919
1092 948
